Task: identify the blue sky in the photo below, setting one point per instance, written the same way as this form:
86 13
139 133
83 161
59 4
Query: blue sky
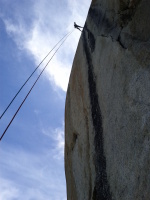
32 151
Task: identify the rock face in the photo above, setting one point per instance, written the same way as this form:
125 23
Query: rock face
107 116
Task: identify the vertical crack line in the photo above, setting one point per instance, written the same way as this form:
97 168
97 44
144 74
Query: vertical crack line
102 189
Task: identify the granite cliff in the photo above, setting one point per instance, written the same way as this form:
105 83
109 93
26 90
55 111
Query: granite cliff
107 114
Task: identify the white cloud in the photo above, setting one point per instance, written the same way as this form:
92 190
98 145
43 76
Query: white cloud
49 23
28 176
7 190
57 135
24 174
59 138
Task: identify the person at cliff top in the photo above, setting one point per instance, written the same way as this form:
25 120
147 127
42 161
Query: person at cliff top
77 26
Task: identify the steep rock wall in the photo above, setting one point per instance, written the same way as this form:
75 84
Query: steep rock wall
107 116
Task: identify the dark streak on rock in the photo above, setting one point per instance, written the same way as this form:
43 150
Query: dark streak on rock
121 43
75 137
104 25
110 24
118 40
96 15
91 40
102 189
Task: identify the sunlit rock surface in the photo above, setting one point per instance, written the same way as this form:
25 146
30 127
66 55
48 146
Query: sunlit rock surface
107 116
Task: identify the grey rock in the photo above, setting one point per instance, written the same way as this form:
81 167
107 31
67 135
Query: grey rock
107 114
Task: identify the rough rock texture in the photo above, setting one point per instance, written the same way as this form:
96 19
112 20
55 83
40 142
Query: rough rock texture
107 116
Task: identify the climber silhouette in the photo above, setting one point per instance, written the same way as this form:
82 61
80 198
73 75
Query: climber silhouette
77 26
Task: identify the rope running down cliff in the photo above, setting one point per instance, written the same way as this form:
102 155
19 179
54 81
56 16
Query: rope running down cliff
32 74
33 86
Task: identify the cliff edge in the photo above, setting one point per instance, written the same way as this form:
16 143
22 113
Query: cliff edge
107 114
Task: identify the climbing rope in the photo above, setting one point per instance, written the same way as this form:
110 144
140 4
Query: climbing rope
33 86
32 74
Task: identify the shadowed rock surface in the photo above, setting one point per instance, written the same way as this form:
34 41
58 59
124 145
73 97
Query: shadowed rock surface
107 116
